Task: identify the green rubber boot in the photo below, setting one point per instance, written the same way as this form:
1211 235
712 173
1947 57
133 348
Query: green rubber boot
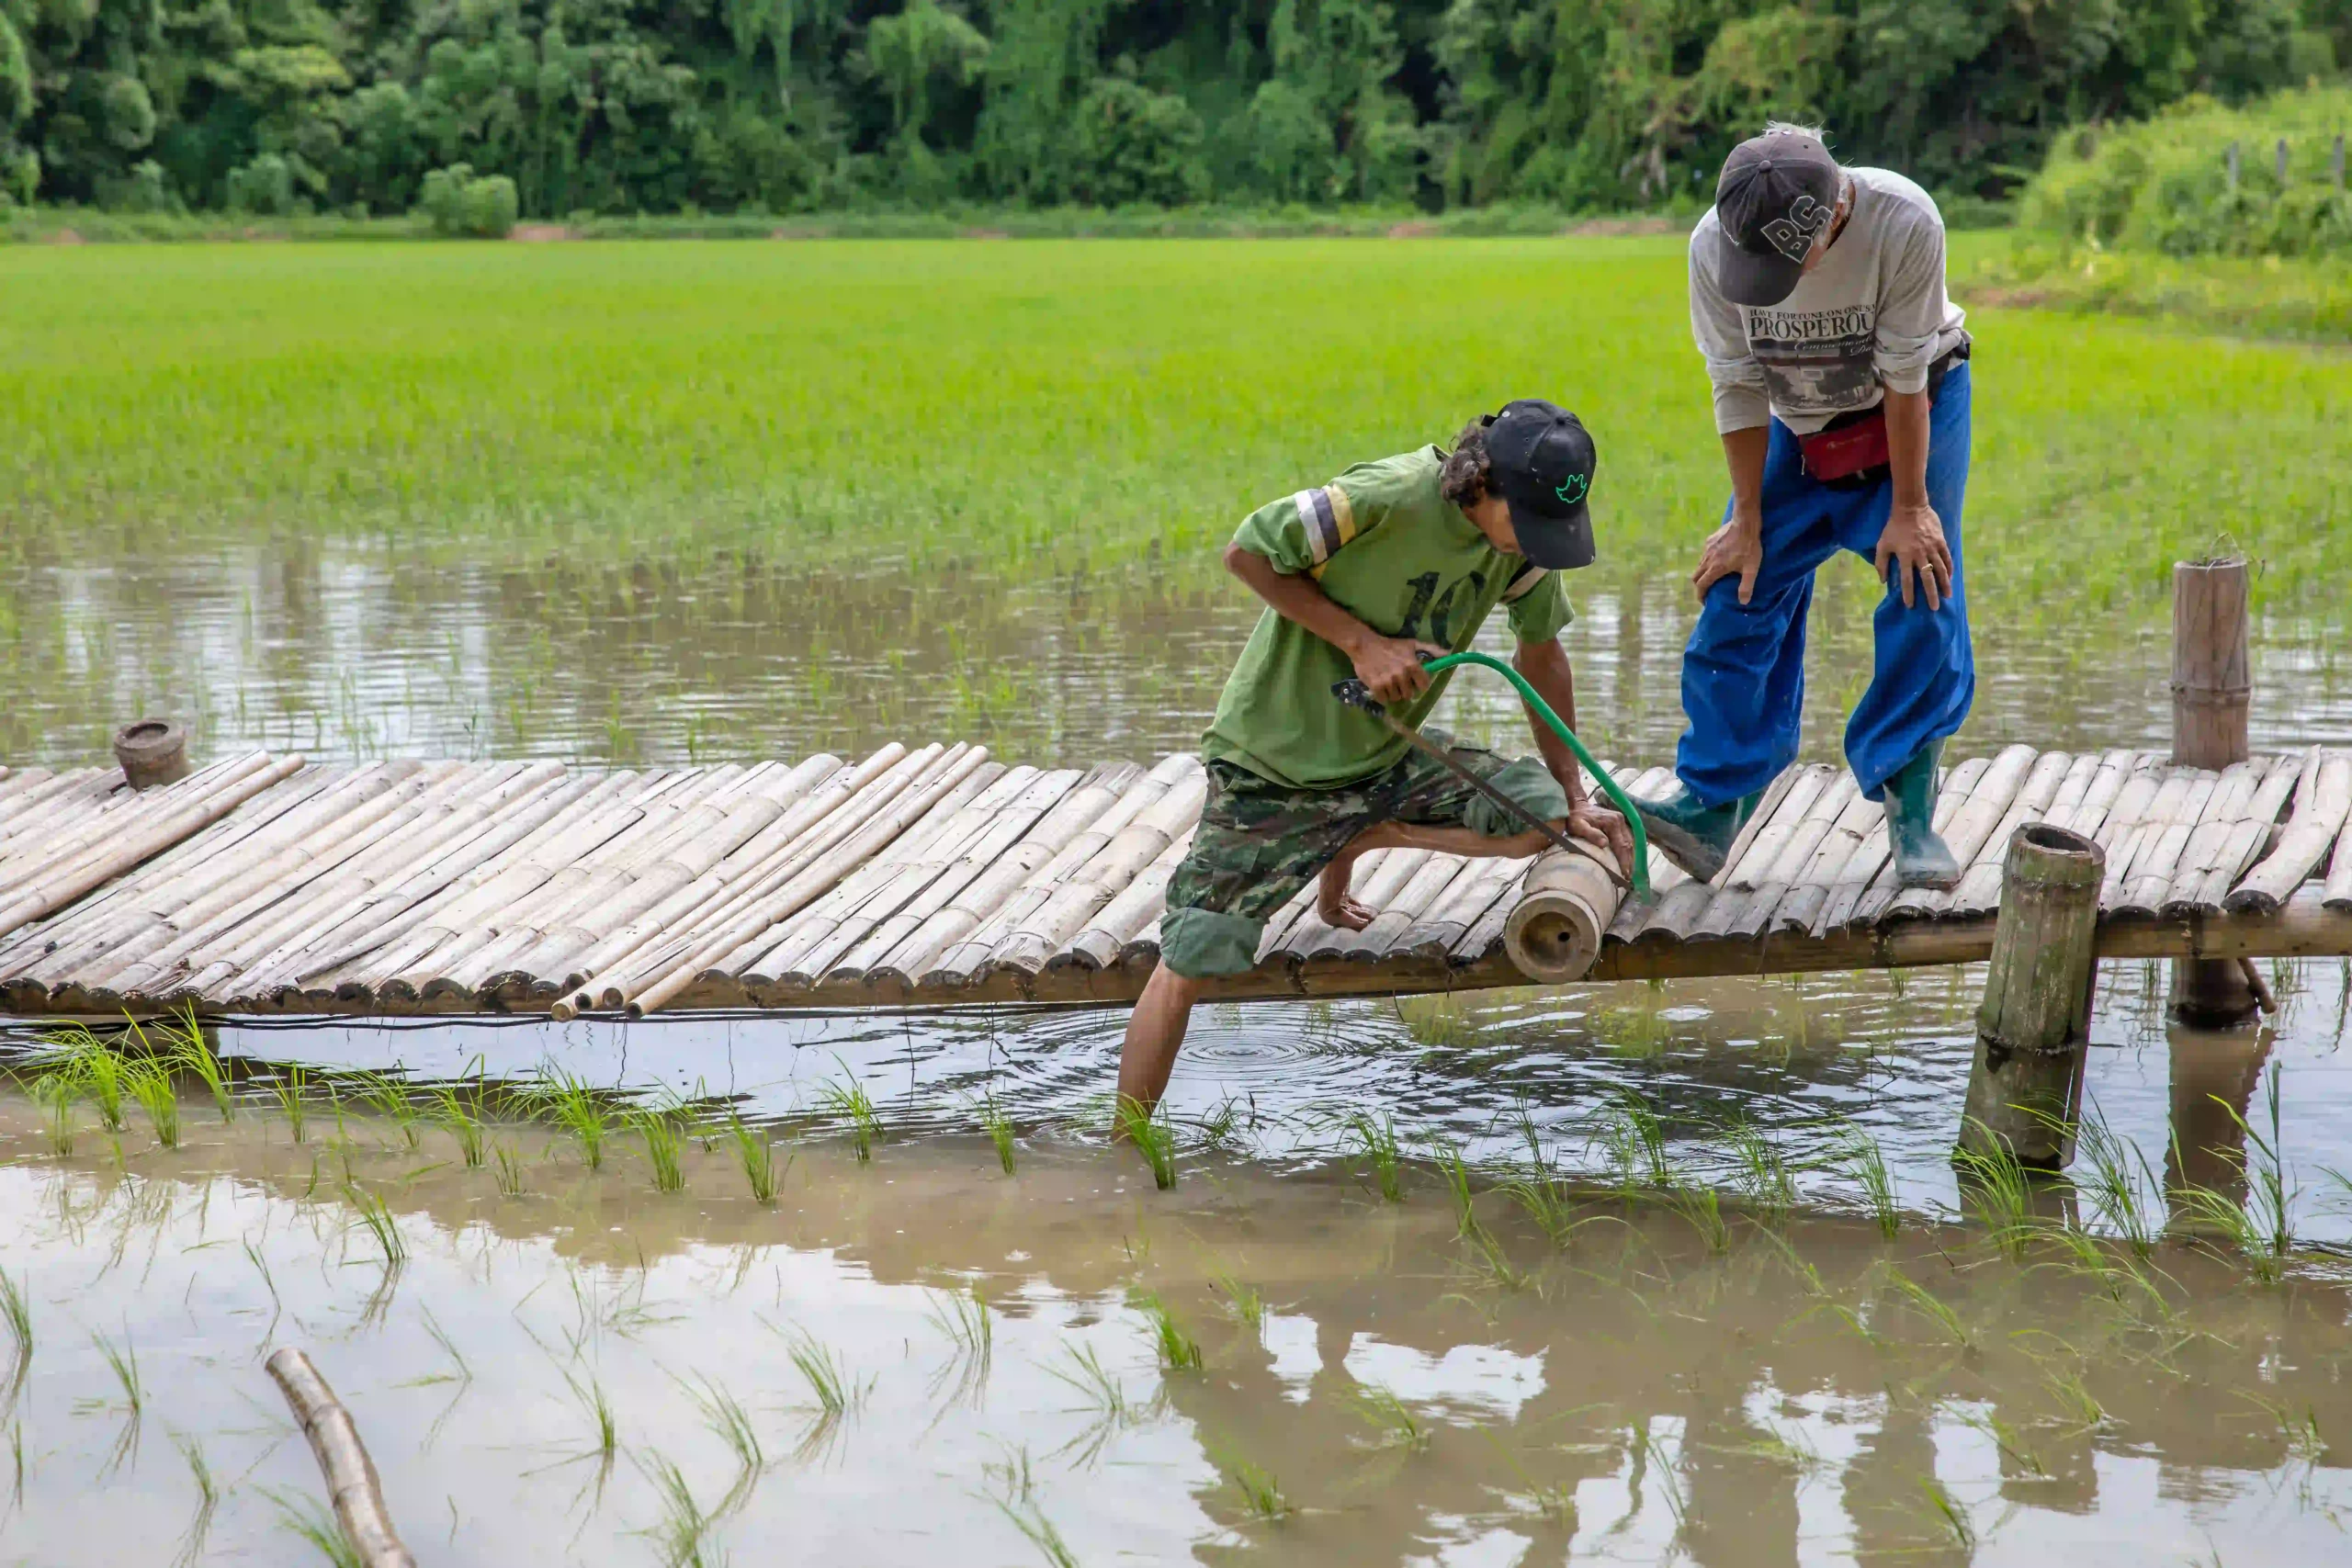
1693 836
1921 859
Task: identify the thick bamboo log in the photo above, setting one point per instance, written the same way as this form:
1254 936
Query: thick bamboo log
2211 672
1553 931
352 1483
2325 801
53 892
2034 1023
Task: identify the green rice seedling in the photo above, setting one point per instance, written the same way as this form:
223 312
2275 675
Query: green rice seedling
1000 1133
1390 1418
1030 1521
572 1105
1762 1173
310 1522
2104 1174
659 1128
755 1152
1860 1159
1219 1127
292 1101
1632 1140
151 1084
1456 1172
2001 1193
1262 1500
187 1050
1080 1370
2082 1409
1492 1259
440 1336
604 1424
459 1116
846 1101
727 1419
1242 1302
1376 1144
512 1179
375 1216
836 1393
1947 1517
682 1536
391 1098
1704 1211
55 1093
1177 1349
1647 1454
2007 1440
208 1499
123 1359
1932 1307
1152 1137
963 1316
17 1311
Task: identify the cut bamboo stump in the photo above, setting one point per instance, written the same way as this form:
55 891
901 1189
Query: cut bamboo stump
2211 683
2034 1022
357 1494
1553 932
152 751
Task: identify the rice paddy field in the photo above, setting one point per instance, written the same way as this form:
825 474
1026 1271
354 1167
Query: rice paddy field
1635 1274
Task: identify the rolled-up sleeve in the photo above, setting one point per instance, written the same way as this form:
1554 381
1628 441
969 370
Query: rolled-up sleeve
1912 307
1741 402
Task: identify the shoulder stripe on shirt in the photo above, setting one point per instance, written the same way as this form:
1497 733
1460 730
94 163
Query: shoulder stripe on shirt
1524 583
1329 520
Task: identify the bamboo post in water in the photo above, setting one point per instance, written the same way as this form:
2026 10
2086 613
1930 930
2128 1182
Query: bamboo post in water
2210 683
357 1494
2034 1022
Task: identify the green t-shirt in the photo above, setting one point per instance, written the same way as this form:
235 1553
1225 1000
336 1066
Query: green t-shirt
1399 557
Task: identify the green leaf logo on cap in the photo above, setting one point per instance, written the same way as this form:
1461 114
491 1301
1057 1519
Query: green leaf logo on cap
1573 488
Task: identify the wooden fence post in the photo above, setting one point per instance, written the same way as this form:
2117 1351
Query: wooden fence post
2211 679
2034 1023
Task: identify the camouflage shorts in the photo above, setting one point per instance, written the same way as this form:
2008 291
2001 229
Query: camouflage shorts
1260 843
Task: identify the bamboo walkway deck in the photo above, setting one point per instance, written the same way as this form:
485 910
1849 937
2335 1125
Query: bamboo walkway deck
937 876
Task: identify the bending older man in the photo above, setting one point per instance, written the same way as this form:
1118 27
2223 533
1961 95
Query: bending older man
1841 394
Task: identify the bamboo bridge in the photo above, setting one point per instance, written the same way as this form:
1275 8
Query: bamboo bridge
938 875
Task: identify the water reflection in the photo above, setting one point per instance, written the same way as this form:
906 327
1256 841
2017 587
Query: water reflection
350 651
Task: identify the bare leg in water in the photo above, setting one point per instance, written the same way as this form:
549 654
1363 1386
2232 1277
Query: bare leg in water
1156 1029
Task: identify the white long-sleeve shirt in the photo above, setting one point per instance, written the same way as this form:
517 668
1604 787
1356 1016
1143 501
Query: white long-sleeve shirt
1872 313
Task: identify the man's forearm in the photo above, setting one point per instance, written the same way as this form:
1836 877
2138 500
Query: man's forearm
1545 666
1744 452
1906 446
1300 598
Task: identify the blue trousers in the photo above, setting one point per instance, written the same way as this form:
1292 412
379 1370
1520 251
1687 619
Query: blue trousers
1743 674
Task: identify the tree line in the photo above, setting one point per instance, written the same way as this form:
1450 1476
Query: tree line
554 106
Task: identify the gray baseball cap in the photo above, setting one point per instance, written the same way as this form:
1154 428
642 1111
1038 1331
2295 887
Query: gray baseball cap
1777 193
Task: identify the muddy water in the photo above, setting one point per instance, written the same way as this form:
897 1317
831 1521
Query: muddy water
1635 1391
1632 1395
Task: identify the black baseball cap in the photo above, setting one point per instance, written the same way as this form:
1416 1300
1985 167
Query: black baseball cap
1539 460
1777 192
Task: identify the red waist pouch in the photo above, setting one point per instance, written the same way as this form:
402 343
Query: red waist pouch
1839 450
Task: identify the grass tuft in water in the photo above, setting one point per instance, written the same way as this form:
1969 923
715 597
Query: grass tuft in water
1860 1159
663 1141
186 1049
727 1419
17 1311
376 1217
56 1093
1177 1351
1632 1142
1001 1133
310 1522
1456 1172
289 1092
391 1097
1947 1517
755 1152
1390 1418
846 1101
1704 1210
682 1535
2261 1227
1376 1144
512 1175
963 1316
1262 1500
1242 1302
150 1083
2105 1176
123 1359
1932 1307
1999 1188
1762 1173
459 1114
571 1104
1152 1137
207 1500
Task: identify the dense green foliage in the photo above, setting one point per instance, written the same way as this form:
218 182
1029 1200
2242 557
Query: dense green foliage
274 107
1011 406
2168 184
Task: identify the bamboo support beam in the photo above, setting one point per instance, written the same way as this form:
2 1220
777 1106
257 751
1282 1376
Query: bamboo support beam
352 1482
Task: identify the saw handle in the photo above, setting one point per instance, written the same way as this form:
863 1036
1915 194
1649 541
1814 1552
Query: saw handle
1356 694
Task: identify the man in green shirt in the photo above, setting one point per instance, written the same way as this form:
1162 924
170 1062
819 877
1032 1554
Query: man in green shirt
1393 560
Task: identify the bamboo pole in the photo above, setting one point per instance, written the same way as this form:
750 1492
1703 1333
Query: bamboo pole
70 845
1980 881
2238 822
2034 1024
352 1482
54 892
2211 690
1378 889
1969 830
771 905
1034 938
1466 898
1553 931
1120 921
1809 890
2320 811
1400 910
